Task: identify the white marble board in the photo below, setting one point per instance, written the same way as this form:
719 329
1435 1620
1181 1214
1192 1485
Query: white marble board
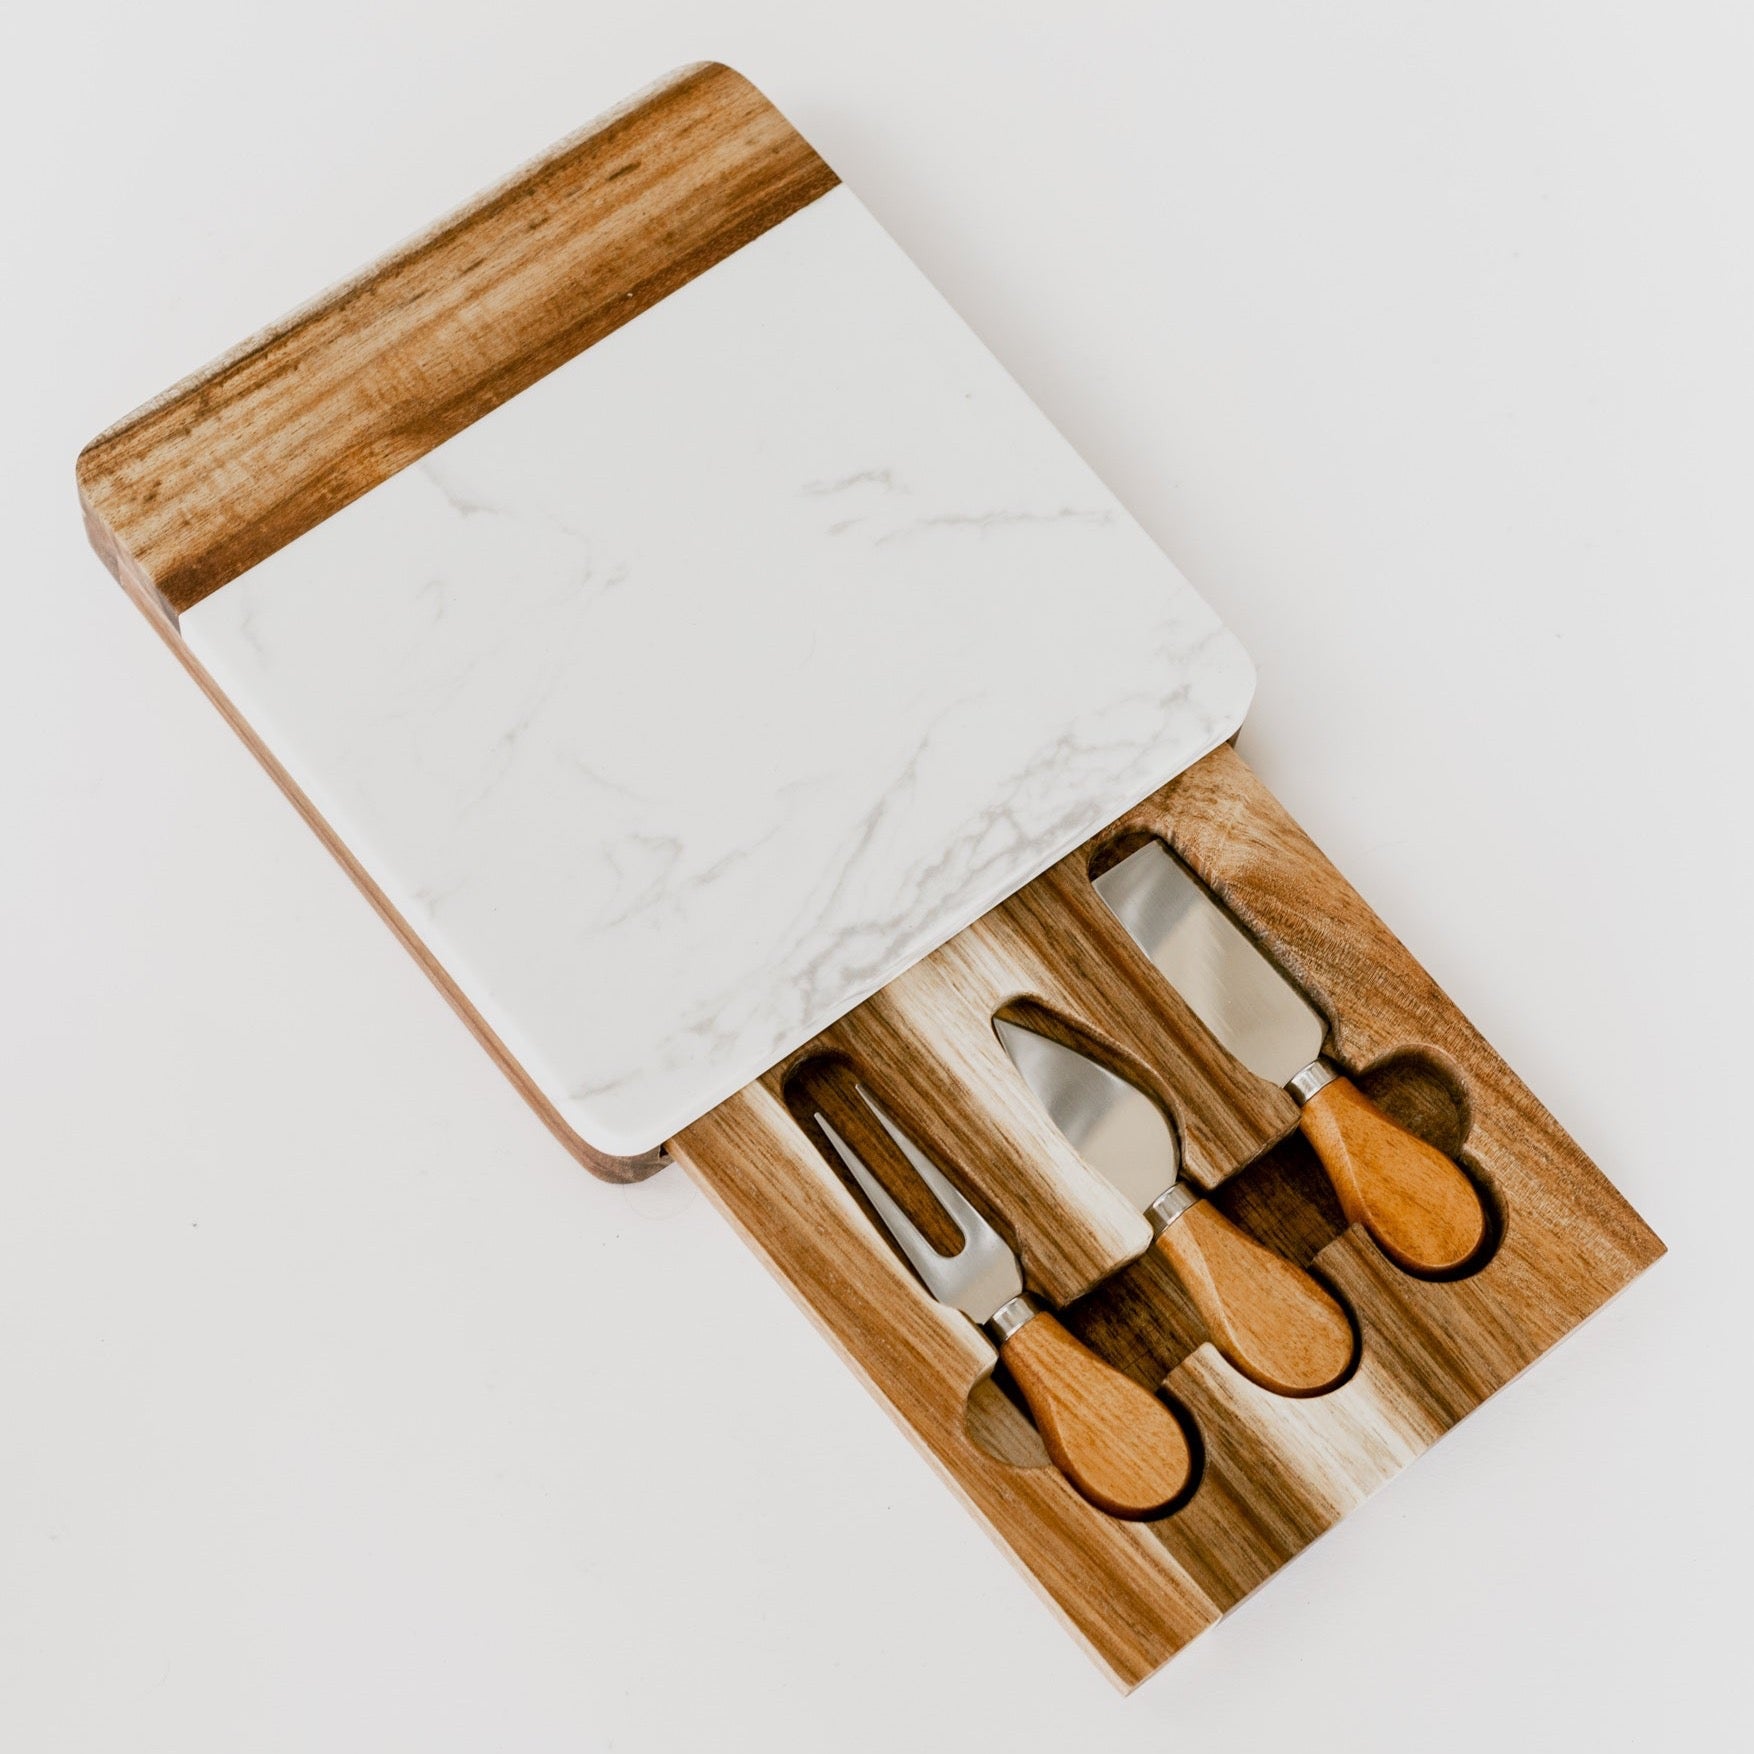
687 698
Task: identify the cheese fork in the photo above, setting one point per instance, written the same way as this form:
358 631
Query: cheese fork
1114 1441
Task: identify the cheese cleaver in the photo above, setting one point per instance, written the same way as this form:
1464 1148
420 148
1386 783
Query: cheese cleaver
1267 1316
1422 1211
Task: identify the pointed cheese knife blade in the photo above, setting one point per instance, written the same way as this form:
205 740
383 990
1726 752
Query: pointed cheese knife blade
1420 1208
1266 1315
1118 1130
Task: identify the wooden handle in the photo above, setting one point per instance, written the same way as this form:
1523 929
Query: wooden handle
1420 1208
1113 1440
1264 1313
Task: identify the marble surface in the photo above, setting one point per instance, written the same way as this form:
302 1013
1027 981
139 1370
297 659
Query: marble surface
686 699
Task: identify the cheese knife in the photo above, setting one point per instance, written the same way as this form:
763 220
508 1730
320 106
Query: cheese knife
1422 1211
1119 1446
1274 1322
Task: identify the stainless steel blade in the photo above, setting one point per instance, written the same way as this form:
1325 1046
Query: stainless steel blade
983 1275
1118 1130
1236 992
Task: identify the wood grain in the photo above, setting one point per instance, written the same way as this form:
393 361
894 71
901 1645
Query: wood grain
1275 1470
927 1365
233 463
1418 1207
1265 1314
1113 1440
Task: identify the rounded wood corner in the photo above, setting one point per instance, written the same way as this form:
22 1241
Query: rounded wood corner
623 1171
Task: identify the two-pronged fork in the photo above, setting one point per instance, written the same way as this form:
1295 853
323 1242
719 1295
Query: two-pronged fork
1113 1440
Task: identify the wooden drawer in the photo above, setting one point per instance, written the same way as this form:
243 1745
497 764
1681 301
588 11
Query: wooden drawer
1275 1471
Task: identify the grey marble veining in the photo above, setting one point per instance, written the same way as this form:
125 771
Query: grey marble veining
687 698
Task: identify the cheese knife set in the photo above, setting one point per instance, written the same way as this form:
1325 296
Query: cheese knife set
792 762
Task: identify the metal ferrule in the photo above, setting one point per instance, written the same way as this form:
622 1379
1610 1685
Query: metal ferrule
1009 1317
1169 1206
1317 1075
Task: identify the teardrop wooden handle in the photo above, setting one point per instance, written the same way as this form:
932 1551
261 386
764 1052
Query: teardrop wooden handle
1115 1441
1420 1208
1265 1314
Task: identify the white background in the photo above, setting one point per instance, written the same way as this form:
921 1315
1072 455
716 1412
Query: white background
339 1410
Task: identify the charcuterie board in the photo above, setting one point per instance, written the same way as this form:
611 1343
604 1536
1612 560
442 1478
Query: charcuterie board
751 712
